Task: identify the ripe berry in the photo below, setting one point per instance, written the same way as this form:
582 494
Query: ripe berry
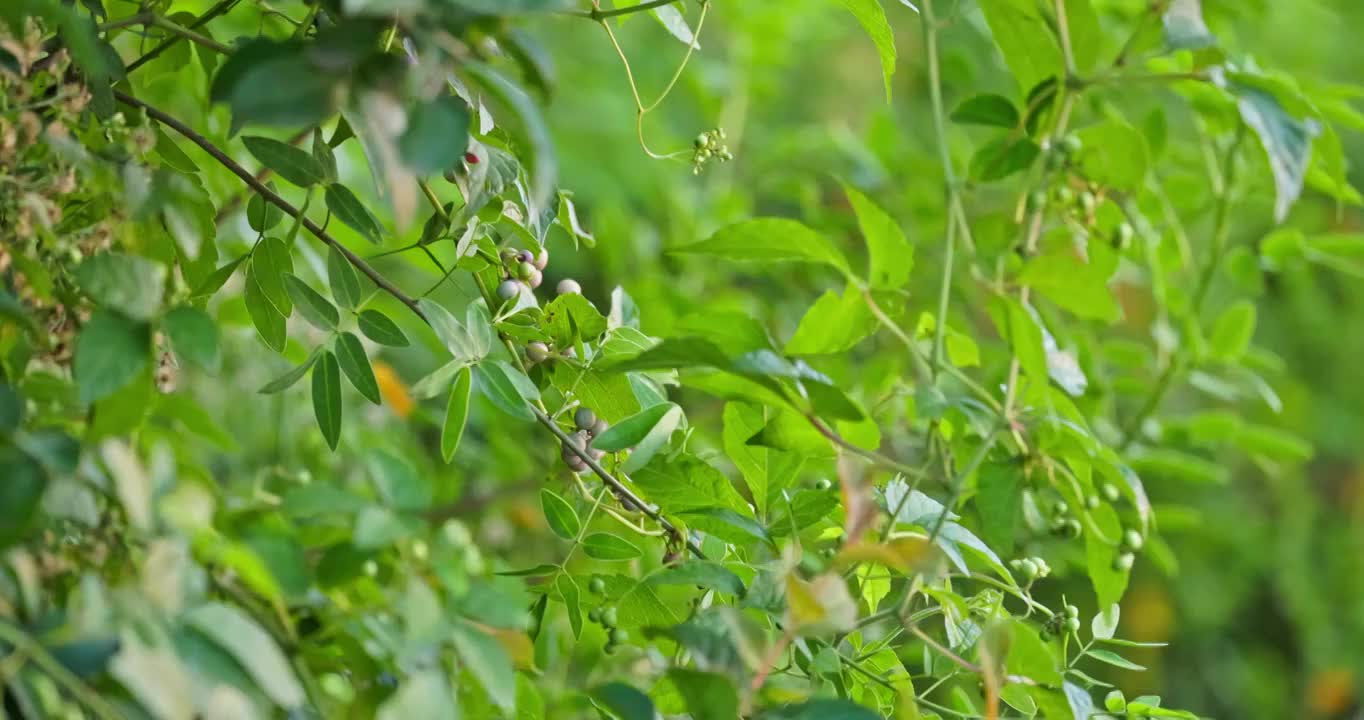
525 256
470 158
542 259
1123 562
508 289
608 617
596 586
584 418
569 286
535 279
537 352
1132 540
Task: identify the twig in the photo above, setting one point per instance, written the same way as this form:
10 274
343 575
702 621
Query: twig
598 14
271 197
221 7
23 642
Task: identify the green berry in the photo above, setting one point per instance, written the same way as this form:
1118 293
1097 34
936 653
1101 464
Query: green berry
1132 540
702 141
584 418
1071 611
1110 492
596 586
508 289
1123 562
619 637
1071 144
608 617
1061 507
537 352
1037 200
524 270
1027 568
1064 195
823 484
1072 625
1115 702
594 615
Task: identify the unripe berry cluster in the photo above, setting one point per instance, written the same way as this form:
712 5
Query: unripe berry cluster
709 145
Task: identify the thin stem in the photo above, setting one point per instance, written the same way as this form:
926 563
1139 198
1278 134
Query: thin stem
960 480
271 197
23 642
219 8
599 14
930 22
190 35
872 456
1063 30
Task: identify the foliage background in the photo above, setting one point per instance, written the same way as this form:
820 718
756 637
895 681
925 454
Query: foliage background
1260 595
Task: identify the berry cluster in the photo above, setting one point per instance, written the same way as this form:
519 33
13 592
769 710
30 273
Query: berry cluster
709 145
1064 622
1031 568
522 271
605 615
589 427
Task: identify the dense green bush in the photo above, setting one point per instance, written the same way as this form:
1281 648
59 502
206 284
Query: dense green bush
865 427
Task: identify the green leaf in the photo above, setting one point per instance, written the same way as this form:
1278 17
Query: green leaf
193 336
726 524
253 648
287 380
821 709
274 83
350 354
437 134
623 701
687 483
327 397
1287 142
129 284
568 590
268 321
572 313
834 324
559 514
293 164
672 353
988 109
347 208
1232 331
708 696
769 240
707 574
270 262
216 279
508 388
456 414
423 694
378 327
1002 157
605 546
1025 38
1106 622
468 341
1109 582
1114 659
1030 657
1113 153
324 157
537 150
999 500
1184 26
488 662
311 305
111 350
1075 284
398 483
654 425
891 256
20 495
344 282
262 215
872 17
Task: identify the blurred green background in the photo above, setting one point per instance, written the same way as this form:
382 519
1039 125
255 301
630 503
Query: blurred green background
1264 605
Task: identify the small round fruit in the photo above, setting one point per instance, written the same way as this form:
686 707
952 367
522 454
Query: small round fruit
1092 502
537 352
1027 568
594 615
1123 562
609 648
608 617
823 484
524 270
470 158
525 256
598 427
1071 144
1087 201
701 141
1064 195
1124 235
1061 507
584 418
542 259
596 586
569 286
1072 625
1110 492
1115 702
619 637
508 289
1132 540
1071 611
